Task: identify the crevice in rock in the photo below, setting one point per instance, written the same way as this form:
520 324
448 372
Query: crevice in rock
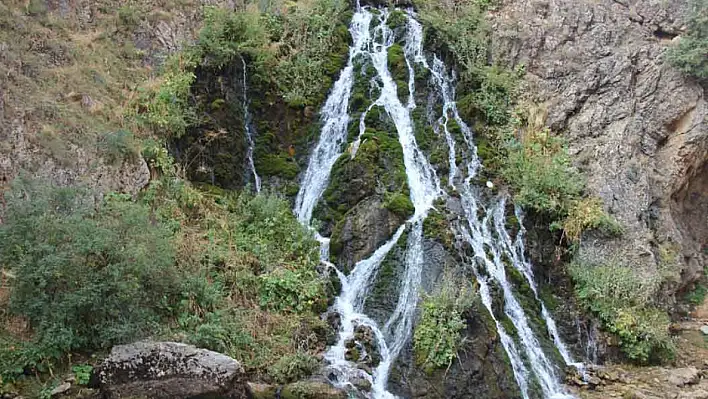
664 35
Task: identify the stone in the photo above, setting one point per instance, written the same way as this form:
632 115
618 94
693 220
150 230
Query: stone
311 390
683 376
704 330
162 370
596 68
61 389
697 394
262 391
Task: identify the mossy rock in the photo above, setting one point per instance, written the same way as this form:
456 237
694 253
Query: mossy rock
311 390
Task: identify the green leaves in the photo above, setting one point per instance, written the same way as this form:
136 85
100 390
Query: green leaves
690 55
438 333
87 275
623 300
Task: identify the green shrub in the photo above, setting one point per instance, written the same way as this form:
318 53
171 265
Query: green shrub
585 214
539 168
623 300
118 146
226 34
437 335
293 367
314 49
87 275
164 104
296 291
82 372
690 55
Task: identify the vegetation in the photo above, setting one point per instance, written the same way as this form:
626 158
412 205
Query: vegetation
689 55
230 273
86 276
539 169
623 300
437 335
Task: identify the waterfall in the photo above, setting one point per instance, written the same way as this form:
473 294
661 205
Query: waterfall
491 244
481 228
424 189
249 130
335 118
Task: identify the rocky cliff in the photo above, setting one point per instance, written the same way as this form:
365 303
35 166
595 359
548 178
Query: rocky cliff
635 125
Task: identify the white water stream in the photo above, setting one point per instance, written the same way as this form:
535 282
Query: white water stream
487 236
249 130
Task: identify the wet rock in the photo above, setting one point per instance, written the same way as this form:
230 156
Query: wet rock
704 330
366 227
163 370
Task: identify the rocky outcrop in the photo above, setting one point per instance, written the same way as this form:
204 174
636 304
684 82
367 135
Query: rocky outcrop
640 383
169 370
366 227
635 125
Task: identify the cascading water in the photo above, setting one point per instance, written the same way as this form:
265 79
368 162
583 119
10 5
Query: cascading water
491 244
424 189
488 238
334 131
249 131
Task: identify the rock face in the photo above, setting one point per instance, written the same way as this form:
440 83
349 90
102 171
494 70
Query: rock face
364 229
636 126
169 370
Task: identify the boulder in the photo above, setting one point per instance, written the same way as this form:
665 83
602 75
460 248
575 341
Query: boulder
684 376
168 370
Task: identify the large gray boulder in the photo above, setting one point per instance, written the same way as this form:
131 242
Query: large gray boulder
169 370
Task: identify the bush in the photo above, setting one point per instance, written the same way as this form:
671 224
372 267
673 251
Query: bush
164 105
296 291
624 303
118 146
690 55
87 275
226 34
293 367
539 168
438 333
587 213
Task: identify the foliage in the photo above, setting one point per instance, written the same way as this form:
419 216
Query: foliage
312 42
292 291
87 275
293 367
118 146
438 333
82 372
690 55
163 104
587 213
623 300
539 167
227 34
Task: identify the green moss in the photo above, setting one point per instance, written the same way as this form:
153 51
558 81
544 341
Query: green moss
397 19
400 204
436 227
399 70
281 164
